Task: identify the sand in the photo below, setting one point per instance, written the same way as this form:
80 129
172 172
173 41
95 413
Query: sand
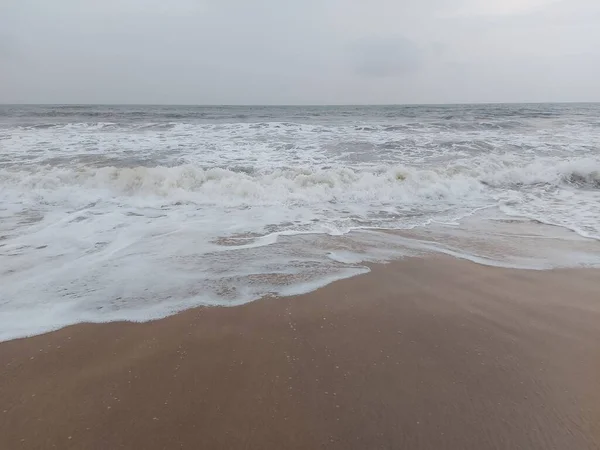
420 354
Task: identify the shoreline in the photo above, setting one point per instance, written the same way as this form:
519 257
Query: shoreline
428 352
95 297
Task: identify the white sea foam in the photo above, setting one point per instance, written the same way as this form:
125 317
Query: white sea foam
376 195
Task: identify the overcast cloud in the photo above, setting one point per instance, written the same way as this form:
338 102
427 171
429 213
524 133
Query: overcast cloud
299 51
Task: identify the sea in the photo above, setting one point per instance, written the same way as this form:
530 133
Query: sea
134 213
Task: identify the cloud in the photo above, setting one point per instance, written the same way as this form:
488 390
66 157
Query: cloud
7 49
501 8
385 57
309 51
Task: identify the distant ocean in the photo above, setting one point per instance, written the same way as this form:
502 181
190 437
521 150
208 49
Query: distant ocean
136 212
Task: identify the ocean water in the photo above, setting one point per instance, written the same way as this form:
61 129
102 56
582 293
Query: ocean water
136 212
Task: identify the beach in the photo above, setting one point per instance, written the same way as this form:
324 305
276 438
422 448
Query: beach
427 353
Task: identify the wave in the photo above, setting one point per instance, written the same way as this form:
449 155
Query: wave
161 124
100 126
246 184
109 123
578 173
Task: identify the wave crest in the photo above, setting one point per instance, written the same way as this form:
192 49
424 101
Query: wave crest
580 173
190 182
375 185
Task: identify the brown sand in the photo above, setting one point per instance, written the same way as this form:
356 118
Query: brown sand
419 354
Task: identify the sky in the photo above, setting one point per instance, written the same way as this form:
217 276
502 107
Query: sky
299 51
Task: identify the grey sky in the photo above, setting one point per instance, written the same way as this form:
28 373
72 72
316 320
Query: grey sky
299 51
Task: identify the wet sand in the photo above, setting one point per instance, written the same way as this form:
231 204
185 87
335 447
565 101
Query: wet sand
420 354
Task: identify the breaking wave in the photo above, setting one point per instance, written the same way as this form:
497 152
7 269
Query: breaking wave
400 183
580 173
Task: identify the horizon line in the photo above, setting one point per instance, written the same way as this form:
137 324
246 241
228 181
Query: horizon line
222 105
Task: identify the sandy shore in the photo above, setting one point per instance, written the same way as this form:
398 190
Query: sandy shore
423 353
